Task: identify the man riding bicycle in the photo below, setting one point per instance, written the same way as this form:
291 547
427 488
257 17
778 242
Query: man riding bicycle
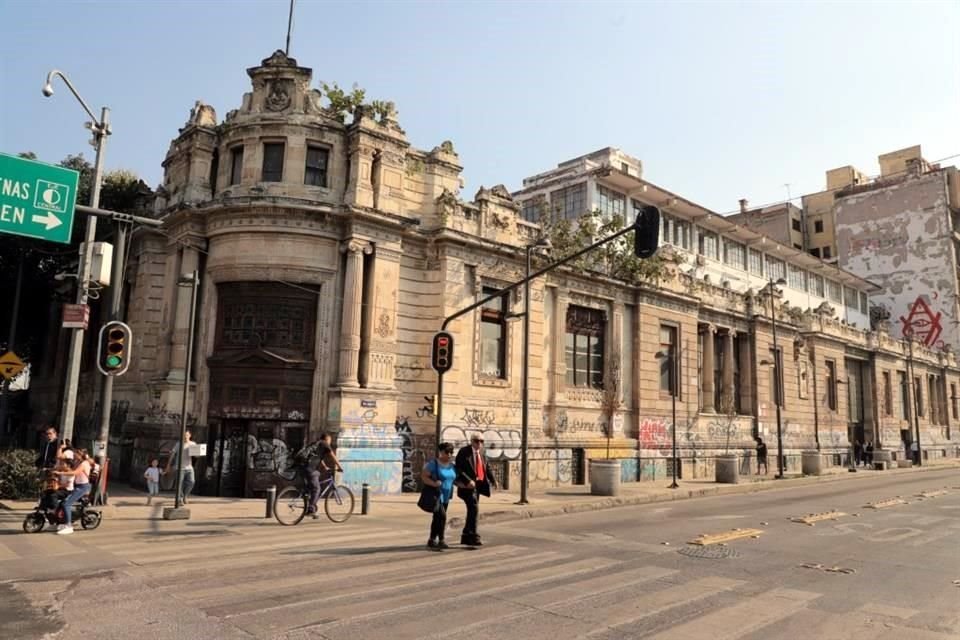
327 464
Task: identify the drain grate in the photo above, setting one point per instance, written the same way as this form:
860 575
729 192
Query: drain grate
710 552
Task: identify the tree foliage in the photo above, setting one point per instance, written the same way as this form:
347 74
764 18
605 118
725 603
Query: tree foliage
615 259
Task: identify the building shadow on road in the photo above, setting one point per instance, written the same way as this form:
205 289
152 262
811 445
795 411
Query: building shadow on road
359 551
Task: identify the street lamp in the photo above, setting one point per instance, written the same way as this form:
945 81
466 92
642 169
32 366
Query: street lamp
100 129
771 290
671 357
543 246
192 281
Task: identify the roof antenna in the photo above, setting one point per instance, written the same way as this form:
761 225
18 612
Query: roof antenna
289 28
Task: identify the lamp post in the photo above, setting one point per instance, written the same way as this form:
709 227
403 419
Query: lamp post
192 281
777 362
542 244
671 356
908 334
100 129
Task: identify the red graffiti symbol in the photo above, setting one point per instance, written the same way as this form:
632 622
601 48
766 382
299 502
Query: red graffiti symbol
922 322
653 435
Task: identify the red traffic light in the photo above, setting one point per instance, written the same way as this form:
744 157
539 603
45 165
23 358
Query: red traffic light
441 358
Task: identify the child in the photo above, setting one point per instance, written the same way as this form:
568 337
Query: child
51 492
152 474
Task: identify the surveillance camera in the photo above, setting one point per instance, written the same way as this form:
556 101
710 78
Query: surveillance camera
48 90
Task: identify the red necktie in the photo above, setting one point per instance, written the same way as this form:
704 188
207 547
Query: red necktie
479 465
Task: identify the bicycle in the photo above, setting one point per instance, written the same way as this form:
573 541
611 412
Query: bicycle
293 502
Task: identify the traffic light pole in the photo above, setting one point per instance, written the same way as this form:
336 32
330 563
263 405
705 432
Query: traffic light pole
505 291
116 292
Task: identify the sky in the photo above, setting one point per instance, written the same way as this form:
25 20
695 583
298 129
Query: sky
719 100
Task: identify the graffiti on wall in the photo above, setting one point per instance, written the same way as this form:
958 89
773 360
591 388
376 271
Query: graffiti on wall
478 418
498 443
550 466
269 455
655 434
921 321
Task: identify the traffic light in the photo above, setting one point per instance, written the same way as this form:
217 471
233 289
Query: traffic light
441 359
646 231
114 348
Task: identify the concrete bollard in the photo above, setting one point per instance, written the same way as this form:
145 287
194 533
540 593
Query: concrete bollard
365 499
271 501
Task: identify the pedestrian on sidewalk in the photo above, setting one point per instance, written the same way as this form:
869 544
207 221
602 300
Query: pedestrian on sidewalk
915 452
152 474
49 449
761 456
187 477
868 454
441 474
475 480
857 453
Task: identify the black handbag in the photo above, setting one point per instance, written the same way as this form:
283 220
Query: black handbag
429 496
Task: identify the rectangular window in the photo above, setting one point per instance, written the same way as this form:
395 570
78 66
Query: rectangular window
734 254
818 226
864 304
831 385
826 253
531 209
815 252
887 394
796 278
493 336
904 395
776 269
834 292
236 164
681 234
316 170
610 203
918 394
795 224
740 345
570 202
932 397
798 247
756 262
708 245
273 162
816 285
850 298
668 368
584 347
666 229
954 401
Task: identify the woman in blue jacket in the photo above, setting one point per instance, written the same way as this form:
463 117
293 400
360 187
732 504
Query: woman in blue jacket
440 473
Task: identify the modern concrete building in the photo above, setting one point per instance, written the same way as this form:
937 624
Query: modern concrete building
330 250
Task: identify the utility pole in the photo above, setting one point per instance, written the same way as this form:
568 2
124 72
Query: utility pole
101 129
116 291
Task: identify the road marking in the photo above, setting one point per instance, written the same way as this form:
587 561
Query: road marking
932 494
742 619
651 604
600 541
348 613
725 536
885 504
811 518
888 610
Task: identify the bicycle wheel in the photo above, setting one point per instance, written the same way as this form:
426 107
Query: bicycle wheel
339 503
291 506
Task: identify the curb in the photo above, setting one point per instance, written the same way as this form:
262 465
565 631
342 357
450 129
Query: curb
629 501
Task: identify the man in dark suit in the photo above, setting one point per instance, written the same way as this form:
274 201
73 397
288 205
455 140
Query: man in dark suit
474 479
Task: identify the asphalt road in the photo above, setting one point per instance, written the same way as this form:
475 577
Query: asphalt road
888 573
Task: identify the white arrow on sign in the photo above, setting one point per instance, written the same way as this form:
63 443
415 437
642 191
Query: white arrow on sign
49 220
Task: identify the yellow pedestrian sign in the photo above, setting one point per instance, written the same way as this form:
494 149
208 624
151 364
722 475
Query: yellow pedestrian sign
10 365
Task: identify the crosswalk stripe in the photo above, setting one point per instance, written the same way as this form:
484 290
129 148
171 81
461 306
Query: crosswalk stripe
271 586
556 597
602 541
348 613
146 555
741 619
862 621
651 604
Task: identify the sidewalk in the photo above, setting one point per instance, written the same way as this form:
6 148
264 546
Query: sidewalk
128 506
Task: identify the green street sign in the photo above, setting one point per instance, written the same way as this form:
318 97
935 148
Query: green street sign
37 199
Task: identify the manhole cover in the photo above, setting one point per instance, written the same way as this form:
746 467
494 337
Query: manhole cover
711 552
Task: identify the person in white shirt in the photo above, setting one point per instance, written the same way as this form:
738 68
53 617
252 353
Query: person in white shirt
187 477
152 474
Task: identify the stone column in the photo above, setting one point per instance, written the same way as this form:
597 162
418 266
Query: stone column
377 353
559 346
352 312
729 362
181 321
706 389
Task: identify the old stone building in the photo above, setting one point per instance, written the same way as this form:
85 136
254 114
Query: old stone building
330 250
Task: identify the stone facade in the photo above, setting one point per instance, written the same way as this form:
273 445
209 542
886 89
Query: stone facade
330 252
